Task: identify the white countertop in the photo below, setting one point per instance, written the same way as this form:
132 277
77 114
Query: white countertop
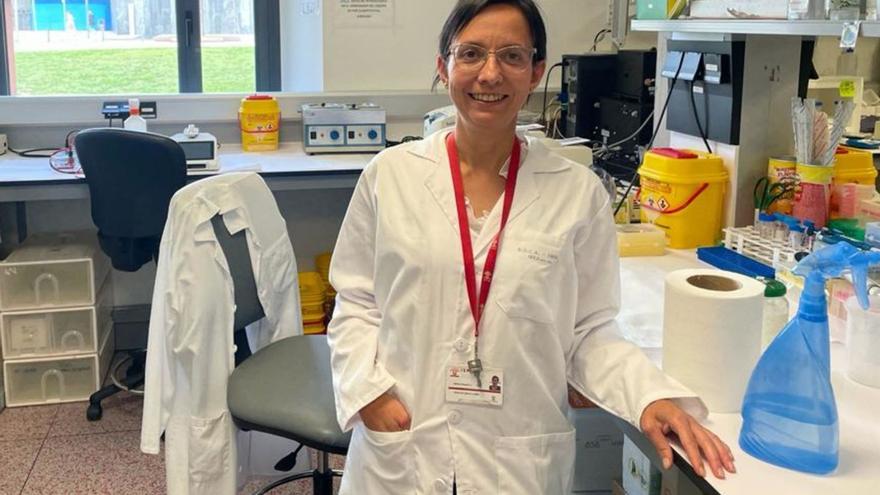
289 159
641 320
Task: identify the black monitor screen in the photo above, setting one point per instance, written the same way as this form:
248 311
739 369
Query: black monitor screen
199 150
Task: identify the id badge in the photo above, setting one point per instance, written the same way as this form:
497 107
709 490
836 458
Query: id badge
461 386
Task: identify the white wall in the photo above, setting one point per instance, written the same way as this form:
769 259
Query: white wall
401 56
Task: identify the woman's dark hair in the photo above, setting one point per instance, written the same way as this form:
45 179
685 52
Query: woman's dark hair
465 11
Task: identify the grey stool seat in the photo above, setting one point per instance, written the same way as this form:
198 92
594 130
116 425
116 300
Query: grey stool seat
286 389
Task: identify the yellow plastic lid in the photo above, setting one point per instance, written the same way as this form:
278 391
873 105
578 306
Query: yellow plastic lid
682 166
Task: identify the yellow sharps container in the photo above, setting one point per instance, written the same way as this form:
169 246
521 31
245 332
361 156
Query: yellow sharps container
853 166
259 118
682 192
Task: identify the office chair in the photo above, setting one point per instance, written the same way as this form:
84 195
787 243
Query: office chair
285 388
131 177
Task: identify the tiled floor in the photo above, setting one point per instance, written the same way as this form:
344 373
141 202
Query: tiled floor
48 450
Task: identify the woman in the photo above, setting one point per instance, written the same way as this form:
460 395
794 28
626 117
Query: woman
412 374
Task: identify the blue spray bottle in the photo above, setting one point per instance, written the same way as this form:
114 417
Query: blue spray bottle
789 412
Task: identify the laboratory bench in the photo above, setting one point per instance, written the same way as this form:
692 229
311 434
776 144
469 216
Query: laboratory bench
642 292
641 320
288 168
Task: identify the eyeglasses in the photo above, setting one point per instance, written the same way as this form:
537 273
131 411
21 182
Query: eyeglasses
473 57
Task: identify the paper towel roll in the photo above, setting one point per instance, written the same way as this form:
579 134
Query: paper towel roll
712 333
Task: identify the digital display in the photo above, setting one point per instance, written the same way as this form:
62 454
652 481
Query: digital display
199 150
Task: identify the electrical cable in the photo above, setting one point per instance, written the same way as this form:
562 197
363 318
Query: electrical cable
631 136
47 152
116 381
598 38
34 152
546 83
653 135
697 117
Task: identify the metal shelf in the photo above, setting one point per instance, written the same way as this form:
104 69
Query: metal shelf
753 26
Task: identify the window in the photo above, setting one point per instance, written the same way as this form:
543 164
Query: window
227 46
96 47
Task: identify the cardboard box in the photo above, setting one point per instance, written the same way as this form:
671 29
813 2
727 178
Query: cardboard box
675 482
598 447
640 477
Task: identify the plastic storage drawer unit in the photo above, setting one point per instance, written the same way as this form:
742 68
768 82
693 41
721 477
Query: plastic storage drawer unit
59 379
54 332
53 270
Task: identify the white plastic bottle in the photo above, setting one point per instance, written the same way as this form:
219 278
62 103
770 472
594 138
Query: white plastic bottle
775 311
135 122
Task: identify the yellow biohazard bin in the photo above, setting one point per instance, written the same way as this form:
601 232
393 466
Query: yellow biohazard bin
853 166
259 118
682 192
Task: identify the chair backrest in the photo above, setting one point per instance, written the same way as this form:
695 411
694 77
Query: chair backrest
244 287
131 177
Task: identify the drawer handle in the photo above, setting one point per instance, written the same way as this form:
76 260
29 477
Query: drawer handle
38 287
44 382
79 340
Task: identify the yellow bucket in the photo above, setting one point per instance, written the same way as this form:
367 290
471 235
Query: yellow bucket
854 167
682 192
259 118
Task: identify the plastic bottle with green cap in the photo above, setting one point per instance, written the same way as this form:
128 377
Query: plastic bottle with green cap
775 311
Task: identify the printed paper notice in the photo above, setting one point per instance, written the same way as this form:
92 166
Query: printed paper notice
363 13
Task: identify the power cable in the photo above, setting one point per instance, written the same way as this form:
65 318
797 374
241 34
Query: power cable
697 117
653 135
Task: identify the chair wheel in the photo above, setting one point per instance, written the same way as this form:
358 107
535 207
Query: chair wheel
94 412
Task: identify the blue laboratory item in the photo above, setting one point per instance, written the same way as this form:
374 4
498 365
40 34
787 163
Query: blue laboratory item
789 412
727 259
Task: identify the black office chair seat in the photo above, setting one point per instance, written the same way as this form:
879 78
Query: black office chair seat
286 389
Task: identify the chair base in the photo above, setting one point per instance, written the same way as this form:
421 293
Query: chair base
134 377
322 478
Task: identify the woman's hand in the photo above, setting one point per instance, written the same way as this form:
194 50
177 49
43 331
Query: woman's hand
385 414
663 417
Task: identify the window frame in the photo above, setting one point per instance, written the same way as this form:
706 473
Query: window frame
267 49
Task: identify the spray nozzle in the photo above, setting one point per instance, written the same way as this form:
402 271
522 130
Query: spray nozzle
832 261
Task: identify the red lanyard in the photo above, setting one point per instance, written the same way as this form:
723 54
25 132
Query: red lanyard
467 250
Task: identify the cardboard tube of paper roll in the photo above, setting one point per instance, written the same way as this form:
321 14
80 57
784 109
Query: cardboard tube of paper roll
712 333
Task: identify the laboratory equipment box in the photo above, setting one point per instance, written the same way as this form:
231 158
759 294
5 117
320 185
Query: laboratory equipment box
53 270
342 128
57 332
56 379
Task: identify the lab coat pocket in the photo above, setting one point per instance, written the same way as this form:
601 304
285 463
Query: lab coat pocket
382 462
535 464
210 444
530 275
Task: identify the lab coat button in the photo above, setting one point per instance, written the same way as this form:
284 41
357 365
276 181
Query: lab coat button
454 417
462 345
440 486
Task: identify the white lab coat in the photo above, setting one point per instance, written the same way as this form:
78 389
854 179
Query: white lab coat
402 317
190 352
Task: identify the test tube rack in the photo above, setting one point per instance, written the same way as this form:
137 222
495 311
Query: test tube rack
747 241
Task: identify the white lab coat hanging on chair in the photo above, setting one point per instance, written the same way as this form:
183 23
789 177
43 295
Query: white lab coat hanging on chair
402 318
190 352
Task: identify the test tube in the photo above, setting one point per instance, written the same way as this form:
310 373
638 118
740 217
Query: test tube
781 233
766 226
